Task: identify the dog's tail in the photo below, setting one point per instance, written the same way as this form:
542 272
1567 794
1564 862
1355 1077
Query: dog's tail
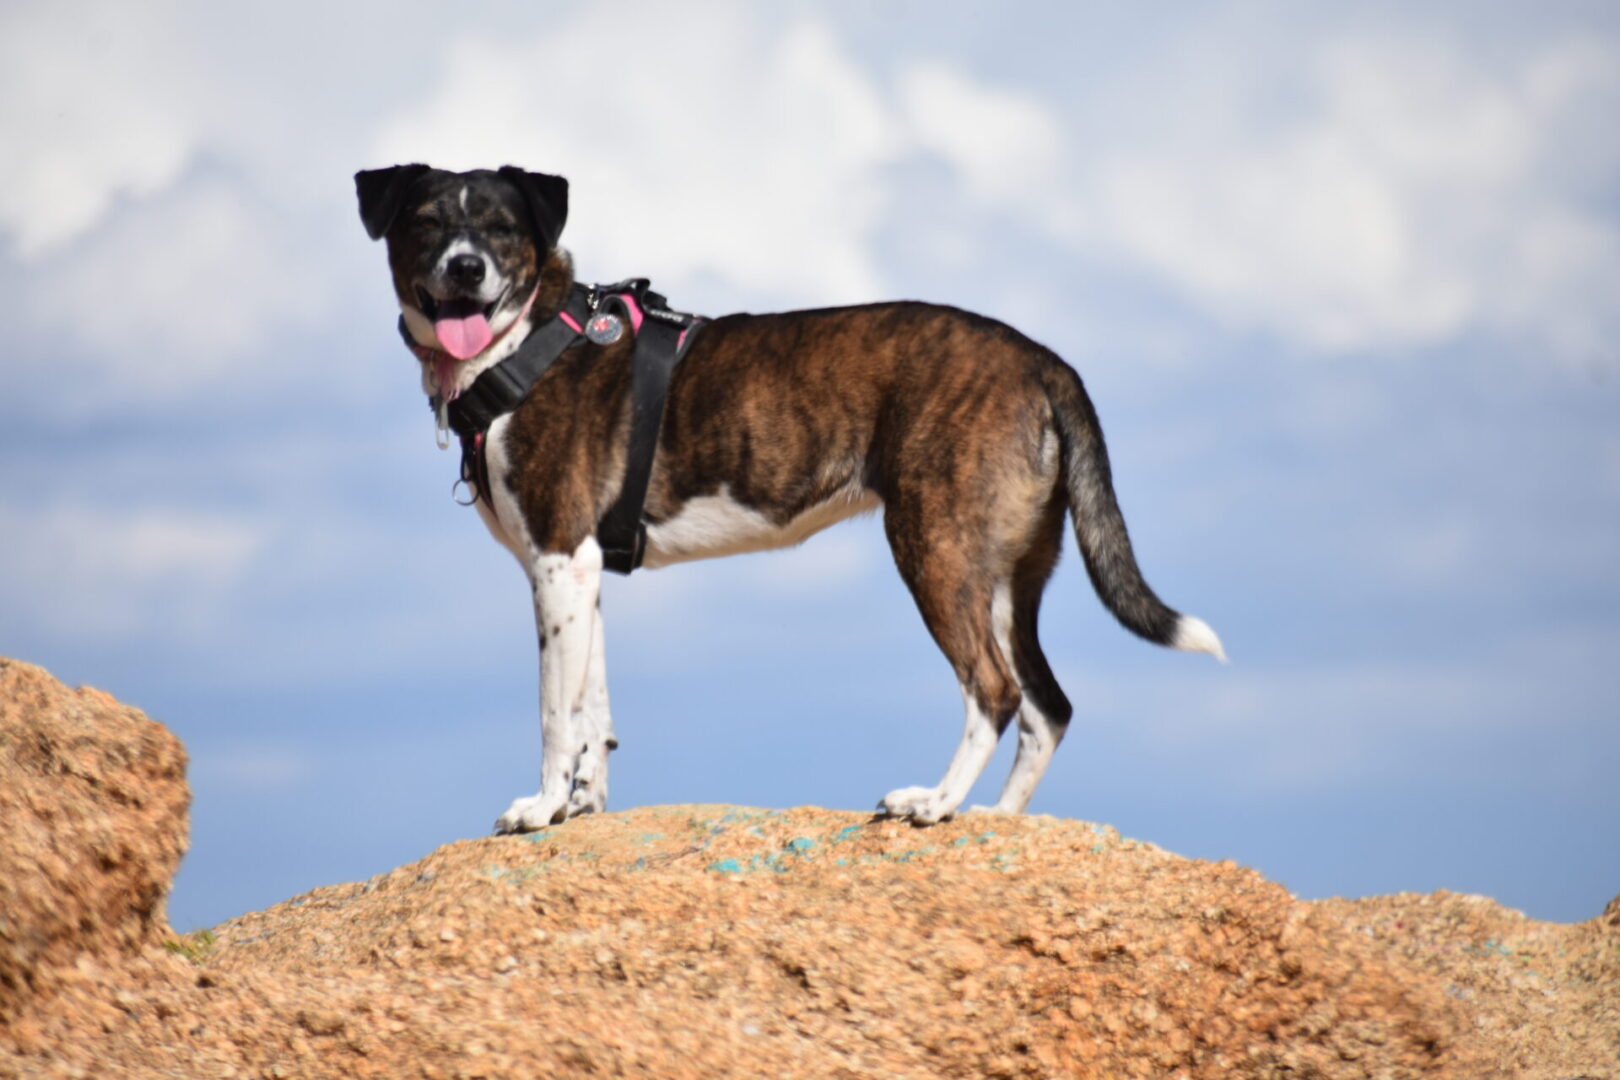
1100 527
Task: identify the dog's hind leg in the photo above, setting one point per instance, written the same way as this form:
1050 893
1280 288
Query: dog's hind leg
565 592
594 726
1043 714
960 601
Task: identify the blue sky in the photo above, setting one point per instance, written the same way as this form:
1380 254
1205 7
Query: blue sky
1342 284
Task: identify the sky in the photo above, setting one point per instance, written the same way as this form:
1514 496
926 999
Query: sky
1343 282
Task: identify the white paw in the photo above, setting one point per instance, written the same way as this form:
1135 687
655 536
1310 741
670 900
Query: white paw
587 800
530 813
589 795
921 805
987 810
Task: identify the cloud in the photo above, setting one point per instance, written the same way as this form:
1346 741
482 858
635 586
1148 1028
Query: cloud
721 146
1523 714
1005 144
176 299
1386 190
1340 185
101 572
74 144
159 231
251 768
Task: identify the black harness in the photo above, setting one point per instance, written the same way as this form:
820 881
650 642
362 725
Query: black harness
662 338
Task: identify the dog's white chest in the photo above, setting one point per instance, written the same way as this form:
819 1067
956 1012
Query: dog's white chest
710 526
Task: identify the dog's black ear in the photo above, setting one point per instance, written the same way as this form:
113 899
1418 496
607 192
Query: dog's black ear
547 199
382 193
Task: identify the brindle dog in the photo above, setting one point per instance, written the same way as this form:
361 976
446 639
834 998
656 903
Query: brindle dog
972 438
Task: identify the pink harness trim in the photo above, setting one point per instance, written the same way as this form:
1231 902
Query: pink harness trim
634 309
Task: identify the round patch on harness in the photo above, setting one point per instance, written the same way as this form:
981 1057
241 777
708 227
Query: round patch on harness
604 328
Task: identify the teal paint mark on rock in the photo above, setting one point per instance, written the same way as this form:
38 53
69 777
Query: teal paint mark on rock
726 866
907 856
771 861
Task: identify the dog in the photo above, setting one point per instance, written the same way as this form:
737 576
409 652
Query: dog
974 440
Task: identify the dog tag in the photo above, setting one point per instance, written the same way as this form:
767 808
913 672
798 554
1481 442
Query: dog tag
604 328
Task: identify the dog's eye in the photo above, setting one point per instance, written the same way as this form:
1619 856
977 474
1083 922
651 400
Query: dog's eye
426 221
500 228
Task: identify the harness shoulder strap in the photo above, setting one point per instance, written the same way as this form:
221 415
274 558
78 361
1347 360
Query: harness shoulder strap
621 533
498 390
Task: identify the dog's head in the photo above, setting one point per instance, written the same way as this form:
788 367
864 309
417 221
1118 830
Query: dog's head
466 249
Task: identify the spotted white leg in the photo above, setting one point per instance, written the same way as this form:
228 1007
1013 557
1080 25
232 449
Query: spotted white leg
594 726
565 591
926 805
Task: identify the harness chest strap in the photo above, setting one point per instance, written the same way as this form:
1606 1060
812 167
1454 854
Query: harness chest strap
661 339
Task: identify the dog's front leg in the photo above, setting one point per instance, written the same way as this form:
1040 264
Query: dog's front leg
565 591
594 726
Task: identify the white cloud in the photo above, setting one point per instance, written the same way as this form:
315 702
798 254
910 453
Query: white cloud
1394 186
1406 194
159 232
91 110
720 145
174 298
1521 710
1005 144
251 767
102 572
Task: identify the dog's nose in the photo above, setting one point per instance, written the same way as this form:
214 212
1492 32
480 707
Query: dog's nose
466 270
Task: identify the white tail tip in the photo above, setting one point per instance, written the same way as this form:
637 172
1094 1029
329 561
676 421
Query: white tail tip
1194 635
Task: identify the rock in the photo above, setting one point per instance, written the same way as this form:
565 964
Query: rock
677 942
93 799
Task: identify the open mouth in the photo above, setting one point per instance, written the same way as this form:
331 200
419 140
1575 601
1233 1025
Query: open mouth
461 325
459 309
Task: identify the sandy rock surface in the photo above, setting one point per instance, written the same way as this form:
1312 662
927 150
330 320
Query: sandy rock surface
713 941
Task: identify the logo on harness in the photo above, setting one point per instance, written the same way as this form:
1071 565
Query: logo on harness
604 328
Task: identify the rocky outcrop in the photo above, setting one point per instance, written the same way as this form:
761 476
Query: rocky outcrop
93 804
676 942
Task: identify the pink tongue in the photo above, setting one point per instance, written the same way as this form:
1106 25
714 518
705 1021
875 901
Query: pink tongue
464 338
